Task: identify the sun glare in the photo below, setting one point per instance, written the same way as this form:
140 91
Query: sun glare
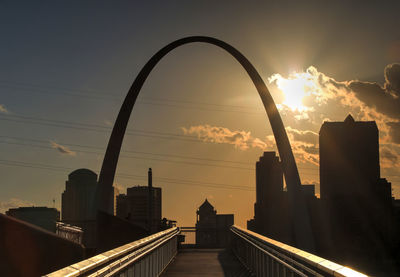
295 88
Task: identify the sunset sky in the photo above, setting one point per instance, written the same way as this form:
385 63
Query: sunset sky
66 66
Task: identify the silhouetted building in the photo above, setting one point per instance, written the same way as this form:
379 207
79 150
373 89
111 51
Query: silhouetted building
308 191
271 209
356 200
78 207
43 217
212 229
141 203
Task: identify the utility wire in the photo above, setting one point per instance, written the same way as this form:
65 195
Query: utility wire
103 94
147 100
124 151
127 176
131 157
136 152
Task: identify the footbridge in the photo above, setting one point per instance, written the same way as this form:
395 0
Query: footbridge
249 254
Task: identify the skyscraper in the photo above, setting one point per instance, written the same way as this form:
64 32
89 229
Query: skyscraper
349 158
270 209
77 203
356 199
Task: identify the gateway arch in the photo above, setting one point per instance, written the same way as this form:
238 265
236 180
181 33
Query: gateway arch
299 215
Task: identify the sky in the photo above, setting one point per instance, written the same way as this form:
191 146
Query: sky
66 66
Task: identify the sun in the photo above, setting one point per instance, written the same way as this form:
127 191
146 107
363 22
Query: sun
295 88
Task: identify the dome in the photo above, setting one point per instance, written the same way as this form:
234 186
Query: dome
83 174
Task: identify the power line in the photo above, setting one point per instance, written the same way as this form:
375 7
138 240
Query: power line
138 152
147 100
132 157
88 125
126 151
100 128
129 133
127 176
97 93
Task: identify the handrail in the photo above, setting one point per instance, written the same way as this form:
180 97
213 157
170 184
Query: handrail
293 257
117 258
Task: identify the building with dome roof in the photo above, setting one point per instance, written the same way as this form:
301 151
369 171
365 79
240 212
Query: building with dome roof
78 203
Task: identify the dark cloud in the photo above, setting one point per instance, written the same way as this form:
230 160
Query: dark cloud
385 99
392 77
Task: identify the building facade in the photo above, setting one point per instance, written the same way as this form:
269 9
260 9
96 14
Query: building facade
78 204
271 214
212 229
356 200
134 206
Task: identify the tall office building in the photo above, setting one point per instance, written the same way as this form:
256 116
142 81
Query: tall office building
349 158
356 199
78 203
270 209
140 205
42 217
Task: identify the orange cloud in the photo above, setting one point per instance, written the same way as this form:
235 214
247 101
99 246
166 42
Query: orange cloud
62 149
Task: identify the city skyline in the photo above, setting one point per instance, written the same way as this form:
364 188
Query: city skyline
57 110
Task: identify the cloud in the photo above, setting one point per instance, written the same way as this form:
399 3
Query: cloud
3 109
312 97
394 131
240 139
13 203
62 149
326 97
305 153
389 158
304 136
364 98
303 142
107 122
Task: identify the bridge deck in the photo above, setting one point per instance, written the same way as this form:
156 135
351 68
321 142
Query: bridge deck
205 262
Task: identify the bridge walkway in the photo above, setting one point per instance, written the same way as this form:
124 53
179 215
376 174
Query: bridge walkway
205 262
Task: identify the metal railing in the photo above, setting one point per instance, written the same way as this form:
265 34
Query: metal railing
145 257
266 257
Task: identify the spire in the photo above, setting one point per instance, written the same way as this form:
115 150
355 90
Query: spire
349 119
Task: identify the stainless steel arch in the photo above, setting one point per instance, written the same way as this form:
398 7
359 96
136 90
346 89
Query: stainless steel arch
300 218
